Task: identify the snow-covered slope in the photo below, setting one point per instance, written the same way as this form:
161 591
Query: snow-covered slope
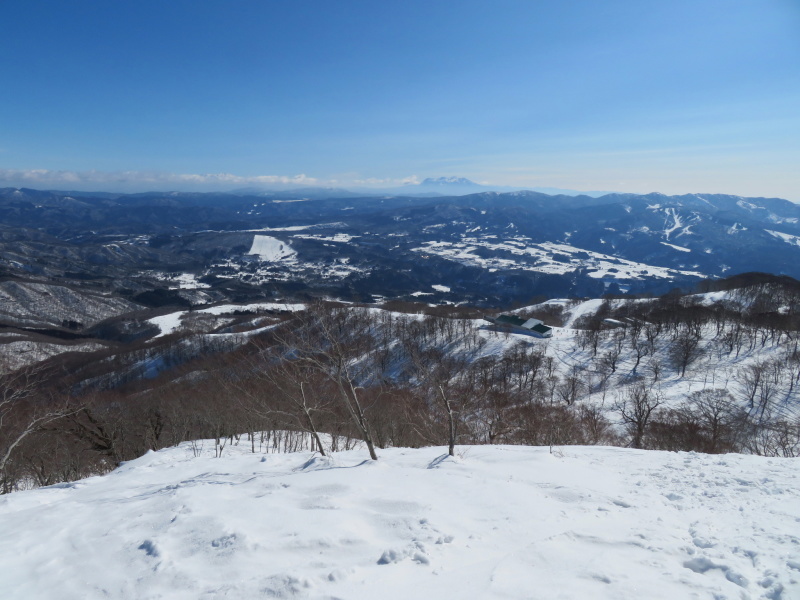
496 522
42 304
270 249
172 322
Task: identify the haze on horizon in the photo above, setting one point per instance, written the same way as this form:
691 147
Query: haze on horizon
624 95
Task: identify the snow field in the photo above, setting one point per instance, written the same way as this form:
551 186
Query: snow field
271 249
496 522
713 368
786 237
541 258
341 238
170 323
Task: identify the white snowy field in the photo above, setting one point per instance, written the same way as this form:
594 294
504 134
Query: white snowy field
496 522
172 322
271 249
520 252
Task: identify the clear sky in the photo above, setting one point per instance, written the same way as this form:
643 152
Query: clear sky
627 95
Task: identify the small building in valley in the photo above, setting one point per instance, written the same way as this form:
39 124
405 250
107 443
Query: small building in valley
533 327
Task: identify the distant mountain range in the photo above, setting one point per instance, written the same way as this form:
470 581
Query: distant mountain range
485 248
432 186
449 186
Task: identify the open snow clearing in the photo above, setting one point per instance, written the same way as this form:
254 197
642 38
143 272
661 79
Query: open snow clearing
494 522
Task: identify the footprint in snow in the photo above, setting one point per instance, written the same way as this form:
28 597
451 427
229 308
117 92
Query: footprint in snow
703 565
416 552
149 548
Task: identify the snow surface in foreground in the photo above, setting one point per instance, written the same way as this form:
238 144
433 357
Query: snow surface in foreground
499 522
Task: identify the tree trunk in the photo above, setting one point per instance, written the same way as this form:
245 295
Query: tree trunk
311 426
450 421
361 421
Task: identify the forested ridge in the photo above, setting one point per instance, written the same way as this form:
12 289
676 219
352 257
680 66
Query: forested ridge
713 372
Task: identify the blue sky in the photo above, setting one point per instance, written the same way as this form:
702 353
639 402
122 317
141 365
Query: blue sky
636 95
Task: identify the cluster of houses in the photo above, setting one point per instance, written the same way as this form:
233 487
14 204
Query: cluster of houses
533 327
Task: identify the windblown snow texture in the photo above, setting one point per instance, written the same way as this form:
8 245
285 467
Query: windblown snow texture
496 522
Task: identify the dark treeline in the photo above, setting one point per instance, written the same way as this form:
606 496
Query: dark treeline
331 377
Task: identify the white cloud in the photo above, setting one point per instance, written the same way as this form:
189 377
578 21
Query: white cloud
410 180
141 180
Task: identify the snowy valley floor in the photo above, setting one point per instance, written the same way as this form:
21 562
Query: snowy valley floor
496 522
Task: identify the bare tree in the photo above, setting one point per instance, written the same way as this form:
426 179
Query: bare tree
655 367
440 375
24 409
641 349
774 438
684 349
287 388
101 426
596 427
610 358
719 417
338 344
635 406
572 385
755 381
451 419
